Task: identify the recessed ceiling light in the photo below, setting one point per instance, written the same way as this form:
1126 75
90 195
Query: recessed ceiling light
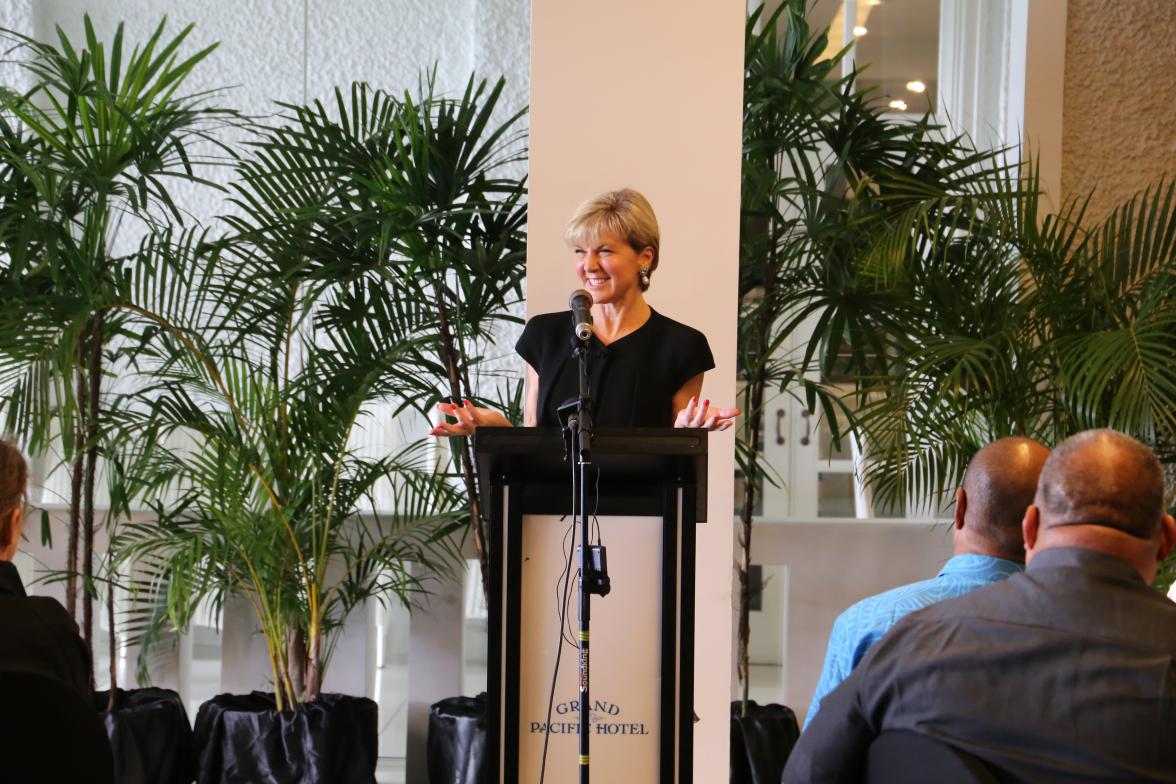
898 105
874 2
860 31
916 86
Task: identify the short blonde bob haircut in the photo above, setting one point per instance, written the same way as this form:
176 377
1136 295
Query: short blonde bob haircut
625 213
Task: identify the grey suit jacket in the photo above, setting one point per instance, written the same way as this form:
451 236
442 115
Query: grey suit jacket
1065 673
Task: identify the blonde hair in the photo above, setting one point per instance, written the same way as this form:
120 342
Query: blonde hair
625 213
14 479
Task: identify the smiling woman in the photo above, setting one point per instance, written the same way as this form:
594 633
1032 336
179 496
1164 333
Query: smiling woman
646 369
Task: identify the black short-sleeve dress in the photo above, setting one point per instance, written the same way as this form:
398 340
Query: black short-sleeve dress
632 380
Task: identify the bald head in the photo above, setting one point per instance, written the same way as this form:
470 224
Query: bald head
1102 478
998 486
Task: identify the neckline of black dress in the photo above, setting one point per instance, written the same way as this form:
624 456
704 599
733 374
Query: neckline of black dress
652 313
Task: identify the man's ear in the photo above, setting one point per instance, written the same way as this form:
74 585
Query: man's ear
9 534
1030 527
961 508
1167 537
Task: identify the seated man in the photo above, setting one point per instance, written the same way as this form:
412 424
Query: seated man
1063 673
36 634
986 541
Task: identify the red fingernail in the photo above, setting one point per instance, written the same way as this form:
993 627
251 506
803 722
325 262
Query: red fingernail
705 403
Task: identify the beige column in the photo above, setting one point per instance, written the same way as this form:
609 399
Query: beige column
649 95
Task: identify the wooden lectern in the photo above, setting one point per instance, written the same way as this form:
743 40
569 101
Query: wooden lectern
649 494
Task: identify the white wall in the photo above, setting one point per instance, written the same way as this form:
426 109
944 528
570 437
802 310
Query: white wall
649 95
831 566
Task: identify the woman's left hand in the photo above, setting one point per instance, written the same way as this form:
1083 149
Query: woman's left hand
697 414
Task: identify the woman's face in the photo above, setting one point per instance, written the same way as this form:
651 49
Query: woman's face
609 268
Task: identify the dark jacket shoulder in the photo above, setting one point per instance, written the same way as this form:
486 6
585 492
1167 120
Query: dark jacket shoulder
39 635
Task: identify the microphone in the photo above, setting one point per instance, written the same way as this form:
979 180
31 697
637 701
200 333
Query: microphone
581 304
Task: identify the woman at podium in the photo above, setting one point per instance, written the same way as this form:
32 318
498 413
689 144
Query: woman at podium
646 370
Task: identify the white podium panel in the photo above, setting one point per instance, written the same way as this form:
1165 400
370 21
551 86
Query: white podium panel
641 685
626 650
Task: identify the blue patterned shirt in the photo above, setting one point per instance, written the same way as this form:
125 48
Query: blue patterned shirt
863 624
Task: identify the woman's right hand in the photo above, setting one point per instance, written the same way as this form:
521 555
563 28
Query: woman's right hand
469 418
697 414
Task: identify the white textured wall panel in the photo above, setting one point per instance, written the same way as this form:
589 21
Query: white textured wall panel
261 41
273 50
502 47
389 43
15 15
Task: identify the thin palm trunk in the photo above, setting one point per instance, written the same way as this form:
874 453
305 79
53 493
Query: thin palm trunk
755 416
75 493
278 666
466 453
94 374
112 699
755 394
297 664
480 528
313 682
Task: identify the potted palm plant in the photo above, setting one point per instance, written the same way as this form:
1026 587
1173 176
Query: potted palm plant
827 180
87 155
322 314
788 93
463 253
415 198
928 278
1065 327
468 264
260 491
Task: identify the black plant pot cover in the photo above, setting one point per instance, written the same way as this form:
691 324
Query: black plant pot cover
457 741
761 742
150 736
243 739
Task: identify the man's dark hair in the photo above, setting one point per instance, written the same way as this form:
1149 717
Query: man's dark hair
1102 477
999 485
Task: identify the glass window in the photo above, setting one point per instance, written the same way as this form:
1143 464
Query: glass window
896 46
391 681
767 651
474 641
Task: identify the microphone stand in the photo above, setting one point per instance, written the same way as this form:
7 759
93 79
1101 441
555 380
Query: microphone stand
581 426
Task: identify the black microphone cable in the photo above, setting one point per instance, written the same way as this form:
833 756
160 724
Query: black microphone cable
563 591
596 506
565 578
